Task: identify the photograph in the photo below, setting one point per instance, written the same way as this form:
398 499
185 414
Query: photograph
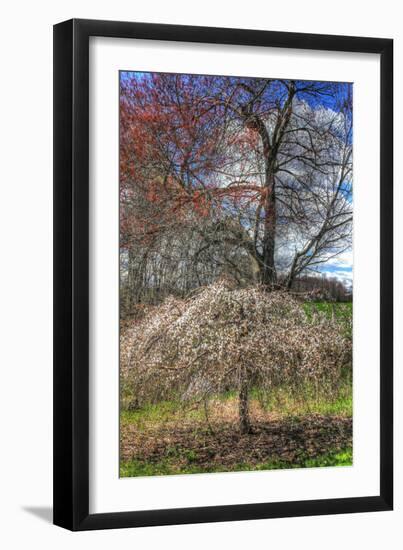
236 273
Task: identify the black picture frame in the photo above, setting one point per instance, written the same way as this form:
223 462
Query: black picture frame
71 274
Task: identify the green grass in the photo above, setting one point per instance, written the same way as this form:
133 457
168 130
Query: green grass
342 458
340 309
342 312
160 412
285 402
167 466
281 401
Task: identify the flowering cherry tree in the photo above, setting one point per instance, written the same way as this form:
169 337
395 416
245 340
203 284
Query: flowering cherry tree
224 337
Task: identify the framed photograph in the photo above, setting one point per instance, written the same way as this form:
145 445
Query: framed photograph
223 317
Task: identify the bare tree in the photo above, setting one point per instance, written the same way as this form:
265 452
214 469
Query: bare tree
251 177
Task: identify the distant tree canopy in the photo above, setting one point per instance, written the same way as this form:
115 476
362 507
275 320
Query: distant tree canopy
322 288
239 176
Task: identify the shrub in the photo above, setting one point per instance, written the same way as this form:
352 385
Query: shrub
230 338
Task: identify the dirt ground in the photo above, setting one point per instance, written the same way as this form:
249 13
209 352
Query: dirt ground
221 444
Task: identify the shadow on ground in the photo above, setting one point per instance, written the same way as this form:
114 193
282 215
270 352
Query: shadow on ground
290 441
45 513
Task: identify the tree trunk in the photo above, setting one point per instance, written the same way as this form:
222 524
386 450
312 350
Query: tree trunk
270 151
244 420
268 271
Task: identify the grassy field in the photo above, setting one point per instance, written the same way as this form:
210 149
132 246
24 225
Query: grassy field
342 312
340 309
135 468
289 431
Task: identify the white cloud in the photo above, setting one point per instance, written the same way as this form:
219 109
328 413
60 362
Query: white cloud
345 277
345 259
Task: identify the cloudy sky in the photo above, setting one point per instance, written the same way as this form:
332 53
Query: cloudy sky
340 267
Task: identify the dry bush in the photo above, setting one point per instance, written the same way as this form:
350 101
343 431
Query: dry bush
229 338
